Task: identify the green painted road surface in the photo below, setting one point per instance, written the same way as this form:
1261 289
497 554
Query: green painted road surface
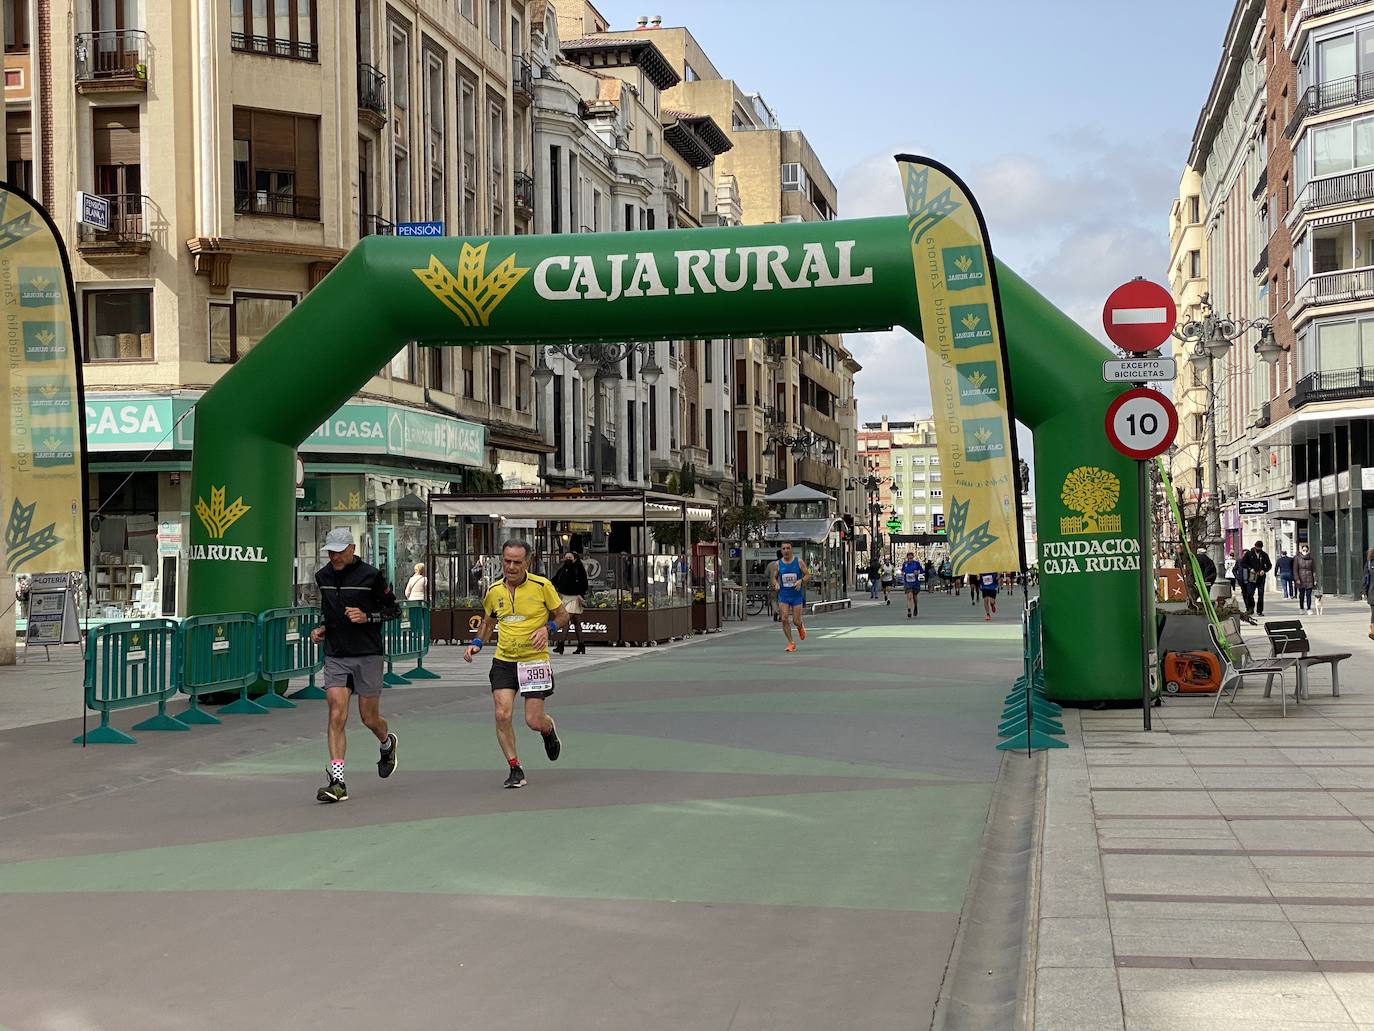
734 837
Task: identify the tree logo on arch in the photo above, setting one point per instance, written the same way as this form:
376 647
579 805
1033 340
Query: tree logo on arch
1093 494
473 294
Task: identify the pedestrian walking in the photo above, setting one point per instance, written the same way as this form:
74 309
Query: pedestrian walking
355 600
570 581
1229 569
874 573
1305 577
887 575
973 588
1365 589
1283 569
418 585
1252 570
789 580
1208 567
929 582
947 575
526 610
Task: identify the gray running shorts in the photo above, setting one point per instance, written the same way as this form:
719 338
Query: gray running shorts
361 673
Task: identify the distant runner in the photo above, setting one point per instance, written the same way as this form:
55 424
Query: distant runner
988 583
912 572
526 610
789 580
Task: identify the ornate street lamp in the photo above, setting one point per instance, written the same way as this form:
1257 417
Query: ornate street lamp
596 362
1208 339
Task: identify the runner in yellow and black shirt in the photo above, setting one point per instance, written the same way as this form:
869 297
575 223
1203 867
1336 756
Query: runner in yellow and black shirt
524 608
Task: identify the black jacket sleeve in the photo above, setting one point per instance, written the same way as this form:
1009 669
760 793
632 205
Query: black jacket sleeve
384 600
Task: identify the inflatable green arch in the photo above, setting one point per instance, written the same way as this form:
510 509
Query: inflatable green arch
747 281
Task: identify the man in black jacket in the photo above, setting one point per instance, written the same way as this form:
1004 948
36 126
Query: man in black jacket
1253 568
355 600
571 584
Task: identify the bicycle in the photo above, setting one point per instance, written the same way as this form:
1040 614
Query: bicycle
758 602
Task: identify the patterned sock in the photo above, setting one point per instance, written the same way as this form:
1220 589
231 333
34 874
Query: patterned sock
514 763
386 745
336 768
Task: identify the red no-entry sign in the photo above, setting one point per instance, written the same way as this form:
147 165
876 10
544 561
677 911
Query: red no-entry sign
1142 423
1139 315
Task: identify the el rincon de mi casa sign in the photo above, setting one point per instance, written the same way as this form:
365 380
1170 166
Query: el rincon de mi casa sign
127 423
1006 351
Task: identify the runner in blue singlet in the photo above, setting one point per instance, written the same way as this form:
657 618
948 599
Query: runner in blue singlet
912 574
987 583
789 580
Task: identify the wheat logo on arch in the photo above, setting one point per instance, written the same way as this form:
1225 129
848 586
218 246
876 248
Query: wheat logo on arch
473 293
216 517
1093 493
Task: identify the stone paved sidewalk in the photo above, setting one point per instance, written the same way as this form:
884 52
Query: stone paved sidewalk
1216 874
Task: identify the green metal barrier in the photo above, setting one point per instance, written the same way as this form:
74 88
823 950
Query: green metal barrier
1030 720
407 637
129 664
285 651
218 652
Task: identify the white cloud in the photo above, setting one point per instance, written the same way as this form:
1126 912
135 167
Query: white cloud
894 381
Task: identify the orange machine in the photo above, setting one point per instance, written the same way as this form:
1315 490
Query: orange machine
1191 672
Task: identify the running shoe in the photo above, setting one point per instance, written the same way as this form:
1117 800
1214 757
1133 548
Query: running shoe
801 632
516 778
334 791
553 747
994 604
386 763
987 619
791 646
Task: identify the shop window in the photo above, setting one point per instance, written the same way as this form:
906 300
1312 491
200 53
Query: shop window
235 328
274 28
276 164
119 325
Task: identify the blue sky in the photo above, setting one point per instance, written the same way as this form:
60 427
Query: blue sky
1070 120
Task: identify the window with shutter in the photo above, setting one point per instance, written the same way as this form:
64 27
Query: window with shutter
117 156
276 164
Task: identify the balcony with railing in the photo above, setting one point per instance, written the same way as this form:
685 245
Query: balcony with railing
276 205
372 95
1333 385
522 79
1333 191
524 193
1335 288
269 46
128 233
1331 96
375 225
113 61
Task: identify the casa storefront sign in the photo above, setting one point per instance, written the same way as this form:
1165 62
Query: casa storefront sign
123 423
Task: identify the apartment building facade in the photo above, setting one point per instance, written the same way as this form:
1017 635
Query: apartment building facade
1188 285
243 148
795 420
1287 170
612 156
904 456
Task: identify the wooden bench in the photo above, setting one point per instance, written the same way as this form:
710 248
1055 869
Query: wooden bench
1287 638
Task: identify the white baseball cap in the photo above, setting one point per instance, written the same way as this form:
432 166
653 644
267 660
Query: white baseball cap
340 539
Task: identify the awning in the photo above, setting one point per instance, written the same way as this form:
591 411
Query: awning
577 509
799 493
814 531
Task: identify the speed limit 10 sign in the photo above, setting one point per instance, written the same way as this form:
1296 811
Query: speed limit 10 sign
1142 423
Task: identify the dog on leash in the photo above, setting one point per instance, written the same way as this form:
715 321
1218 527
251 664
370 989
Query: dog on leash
1317 601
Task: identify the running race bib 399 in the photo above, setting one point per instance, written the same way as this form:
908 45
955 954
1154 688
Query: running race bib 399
533 676
789 579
